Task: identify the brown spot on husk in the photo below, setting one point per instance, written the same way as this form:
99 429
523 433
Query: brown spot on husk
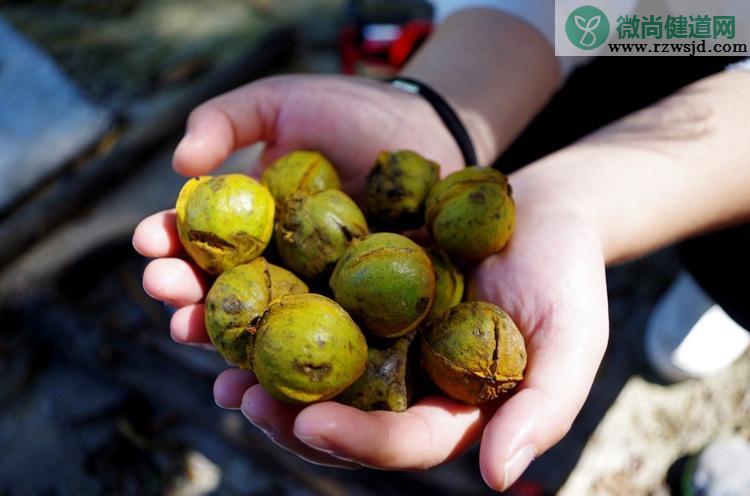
209 239
231 305
316 373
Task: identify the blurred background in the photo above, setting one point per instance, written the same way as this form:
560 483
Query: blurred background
94 396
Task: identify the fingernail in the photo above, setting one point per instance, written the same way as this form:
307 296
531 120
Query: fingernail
344 458
322 444
249 410
225 407
185 139
516 465
264 427
316 441
182 150
177 338
261 424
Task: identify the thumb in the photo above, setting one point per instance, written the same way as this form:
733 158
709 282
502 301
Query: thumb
226 123
559 376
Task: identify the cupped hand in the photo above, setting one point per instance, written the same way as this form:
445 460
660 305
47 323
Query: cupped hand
550 279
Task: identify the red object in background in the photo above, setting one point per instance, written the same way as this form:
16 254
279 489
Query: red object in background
412 35
380 36
525 488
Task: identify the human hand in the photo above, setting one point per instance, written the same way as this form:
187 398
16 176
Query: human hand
550 279
349 119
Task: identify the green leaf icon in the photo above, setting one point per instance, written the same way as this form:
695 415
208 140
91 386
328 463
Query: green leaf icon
587 27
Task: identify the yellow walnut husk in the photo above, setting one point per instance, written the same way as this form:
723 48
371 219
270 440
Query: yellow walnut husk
224 221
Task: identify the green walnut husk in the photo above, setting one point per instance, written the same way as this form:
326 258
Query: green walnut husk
314 229
474 352
238 297
300 171
307 349
224 221
470 213
449 282
397 188
387 283
387 381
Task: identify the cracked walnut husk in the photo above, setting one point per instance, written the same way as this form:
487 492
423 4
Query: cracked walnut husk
474 352
471 213
300 171
397 187
237 298
224 221
314 229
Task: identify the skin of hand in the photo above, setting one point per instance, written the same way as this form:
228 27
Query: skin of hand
550 279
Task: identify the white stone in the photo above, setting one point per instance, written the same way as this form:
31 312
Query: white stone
45 120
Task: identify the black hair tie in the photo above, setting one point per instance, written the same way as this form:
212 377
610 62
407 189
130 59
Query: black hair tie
446 113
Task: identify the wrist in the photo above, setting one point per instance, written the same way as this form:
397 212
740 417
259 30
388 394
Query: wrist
444 110
478 128
542 192
495 70
419 122
580 182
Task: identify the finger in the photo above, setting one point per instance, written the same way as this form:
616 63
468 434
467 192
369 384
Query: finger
187 325
558 377
230 386
174 281
431 432
226 123
156 236
276 420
